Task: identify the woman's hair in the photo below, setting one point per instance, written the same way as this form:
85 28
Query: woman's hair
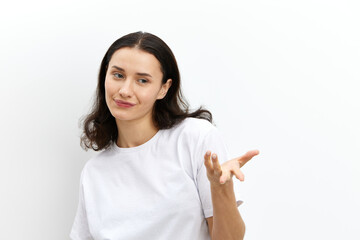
99 126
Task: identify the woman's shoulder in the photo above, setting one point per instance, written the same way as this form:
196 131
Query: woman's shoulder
194 127
98 157
198 123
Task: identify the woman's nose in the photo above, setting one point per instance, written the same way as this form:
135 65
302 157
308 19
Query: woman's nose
126 89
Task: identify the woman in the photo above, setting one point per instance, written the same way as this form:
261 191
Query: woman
159 174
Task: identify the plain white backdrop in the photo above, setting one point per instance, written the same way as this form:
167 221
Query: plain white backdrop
279 76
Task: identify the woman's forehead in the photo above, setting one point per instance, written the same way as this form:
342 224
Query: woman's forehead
134 59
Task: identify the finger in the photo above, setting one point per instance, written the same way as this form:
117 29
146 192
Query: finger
247 157
216 163
226 176
239 174
207 161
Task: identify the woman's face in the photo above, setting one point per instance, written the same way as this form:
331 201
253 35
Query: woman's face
133 84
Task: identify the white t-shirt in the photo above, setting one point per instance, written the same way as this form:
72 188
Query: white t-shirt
157 190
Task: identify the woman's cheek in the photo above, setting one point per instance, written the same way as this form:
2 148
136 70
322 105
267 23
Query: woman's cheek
108 91
109 87
106 83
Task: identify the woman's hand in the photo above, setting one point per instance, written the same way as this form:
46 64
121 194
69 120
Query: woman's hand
221 174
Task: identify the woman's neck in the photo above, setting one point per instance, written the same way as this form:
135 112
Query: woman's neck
134 133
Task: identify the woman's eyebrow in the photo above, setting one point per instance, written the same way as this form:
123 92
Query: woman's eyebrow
140 74
118 68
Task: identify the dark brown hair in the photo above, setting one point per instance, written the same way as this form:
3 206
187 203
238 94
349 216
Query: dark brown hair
99 126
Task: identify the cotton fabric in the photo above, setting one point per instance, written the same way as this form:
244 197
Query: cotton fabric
157 190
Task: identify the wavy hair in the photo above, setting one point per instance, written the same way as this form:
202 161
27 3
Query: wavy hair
99 126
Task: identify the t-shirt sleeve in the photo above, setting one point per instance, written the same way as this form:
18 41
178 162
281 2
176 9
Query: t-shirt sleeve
80 228
214 142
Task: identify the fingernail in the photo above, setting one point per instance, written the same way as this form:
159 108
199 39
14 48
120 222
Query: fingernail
207 153
214 156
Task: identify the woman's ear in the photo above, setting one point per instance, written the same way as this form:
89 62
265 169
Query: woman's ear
164 89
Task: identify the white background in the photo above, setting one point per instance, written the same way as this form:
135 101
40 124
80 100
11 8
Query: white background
279 76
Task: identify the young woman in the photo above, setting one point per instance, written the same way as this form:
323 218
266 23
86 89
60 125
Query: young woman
163 172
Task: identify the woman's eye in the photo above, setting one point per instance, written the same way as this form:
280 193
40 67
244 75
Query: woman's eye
143 80
118 75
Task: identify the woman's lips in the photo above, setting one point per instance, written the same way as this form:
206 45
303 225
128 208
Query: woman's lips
124 104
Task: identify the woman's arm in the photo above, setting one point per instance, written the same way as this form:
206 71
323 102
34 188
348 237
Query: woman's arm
226 222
